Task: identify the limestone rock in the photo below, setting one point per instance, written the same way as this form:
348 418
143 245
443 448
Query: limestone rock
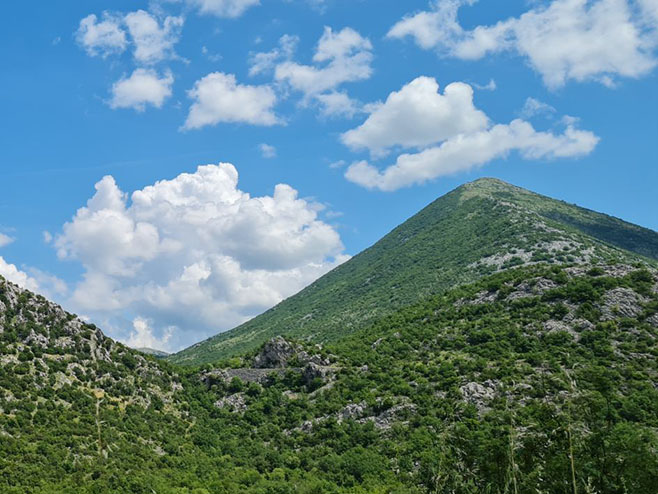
235 403
479 394
622 302
275 354
314 371
653 320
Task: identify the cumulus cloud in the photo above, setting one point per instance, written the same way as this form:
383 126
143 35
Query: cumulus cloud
15 275
5 240
343 56
338 104
416 116
223 8
266 61
144 87
267 151
449 135
219 98
142 336
153 42
563 40
194 252
102 38
340 57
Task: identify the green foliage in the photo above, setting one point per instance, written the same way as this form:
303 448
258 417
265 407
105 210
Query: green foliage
437 249
505 367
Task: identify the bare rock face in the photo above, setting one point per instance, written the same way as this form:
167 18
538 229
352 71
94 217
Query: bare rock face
235 403
479 394
653 320
213 377
352 411
314 371
278 352
622 302
275 354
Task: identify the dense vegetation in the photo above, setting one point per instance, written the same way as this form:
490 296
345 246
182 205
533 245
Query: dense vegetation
526 381
440 247
500 352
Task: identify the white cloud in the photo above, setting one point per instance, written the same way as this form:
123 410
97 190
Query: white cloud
223 8
102 38
5 240
266 61
267 151
465 152
564 40
416 116
142 336
15 275
533 107
219 98
489 86
153 42
143 87
432 28
449 134
337 164
338 104
340 57
194 252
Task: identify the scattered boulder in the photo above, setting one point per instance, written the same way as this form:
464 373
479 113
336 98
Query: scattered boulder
622 302
235 403
543 285
553 326
353 411
479 394
389 417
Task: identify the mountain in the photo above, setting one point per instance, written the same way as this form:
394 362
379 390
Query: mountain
538 378
471 232
153 352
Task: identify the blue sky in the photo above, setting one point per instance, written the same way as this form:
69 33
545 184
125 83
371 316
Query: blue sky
341 91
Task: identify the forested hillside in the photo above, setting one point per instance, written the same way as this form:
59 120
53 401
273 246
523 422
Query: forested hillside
535 379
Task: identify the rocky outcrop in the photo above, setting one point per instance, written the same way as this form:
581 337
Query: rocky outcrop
479 394
653 320
314 371
621 302
235 403
279 352
275 354
274 359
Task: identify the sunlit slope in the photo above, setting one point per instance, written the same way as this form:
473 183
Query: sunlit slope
477 229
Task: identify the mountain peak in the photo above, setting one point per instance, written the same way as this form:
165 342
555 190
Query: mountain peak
480 228
489 186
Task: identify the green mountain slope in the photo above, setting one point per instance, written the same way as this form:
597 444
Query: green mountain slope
541 378
473 231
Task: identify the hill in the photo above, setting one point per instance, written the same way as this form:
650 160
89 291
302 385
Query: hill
473 231
539 378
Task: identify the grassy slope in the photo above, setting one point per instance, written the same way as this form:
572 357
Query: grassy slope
432 251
